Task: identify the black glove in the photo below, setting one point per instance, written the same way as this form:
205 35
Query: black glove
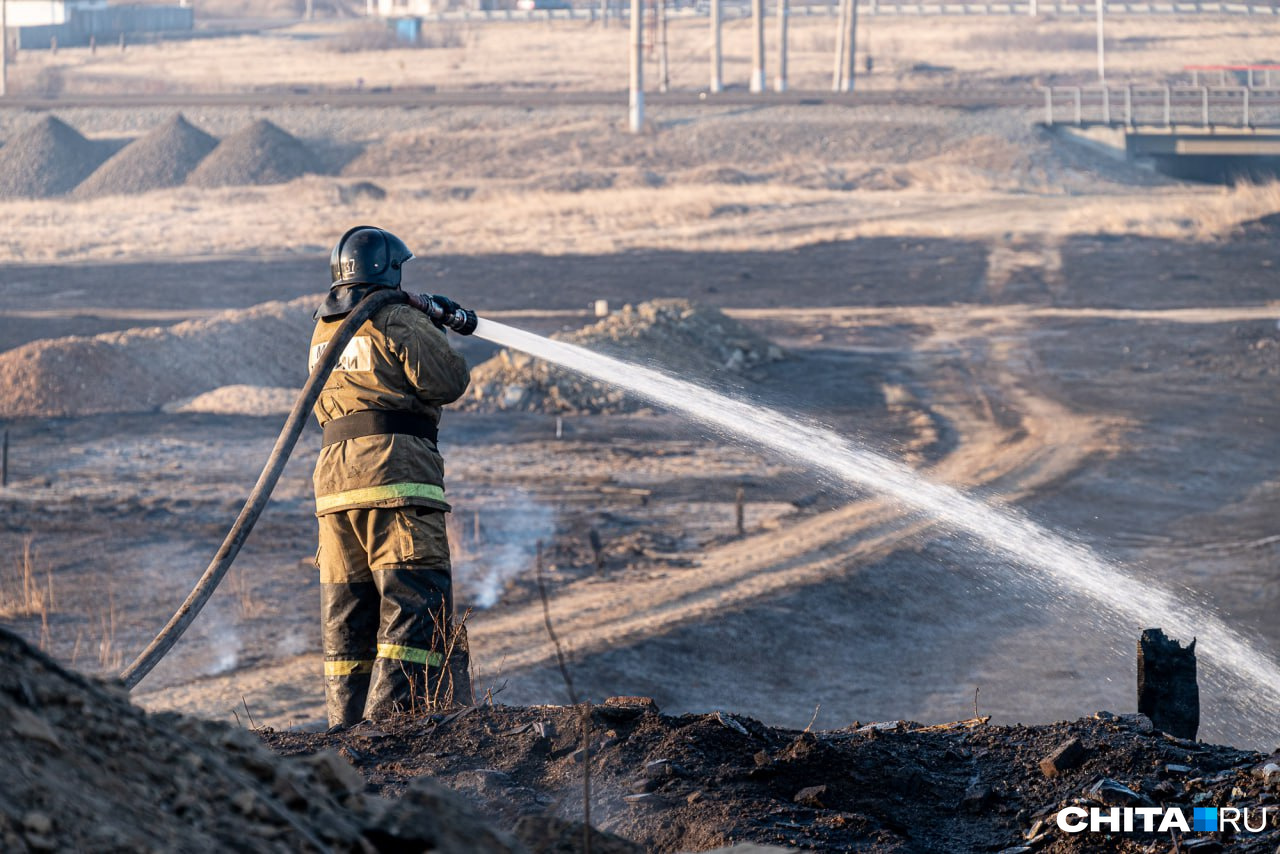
448 310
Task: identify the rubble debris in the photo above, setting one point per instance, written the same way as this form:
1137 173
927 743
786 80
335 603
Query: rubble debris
1168 693
692 341
1068 755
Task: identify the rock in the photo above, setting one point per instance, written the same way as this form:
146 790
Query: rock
29 726
1110 793
37 822
812 796
335 773
977 797
1172 769
622 709
1139 722
1066 756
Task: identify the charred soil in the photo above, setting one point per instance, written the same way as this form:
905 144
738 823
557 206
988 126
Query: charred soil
699 781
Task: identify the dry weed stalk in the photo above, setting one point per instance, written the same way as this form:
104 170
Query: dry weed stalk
454 632
109 656
247 604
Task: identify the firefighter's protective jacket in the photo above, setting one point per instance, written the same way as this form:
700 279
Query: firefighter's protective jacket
398 361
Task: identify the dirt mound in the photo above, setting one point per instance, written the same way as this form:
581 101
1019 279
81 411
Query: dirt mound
88 771
47 159
693 782
261 153
139 370
238 400
162 158
676 335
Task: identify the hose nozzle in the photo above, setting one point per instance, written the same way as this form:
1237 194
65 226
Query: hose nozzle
445 313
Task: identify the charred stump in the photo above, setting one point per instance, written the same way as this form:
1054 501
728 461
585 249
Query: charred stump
1168 693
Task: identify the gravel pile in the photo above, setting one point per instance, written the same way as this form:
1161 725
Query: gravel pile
261 153
162 158
140 370
674 335
85 770
47 159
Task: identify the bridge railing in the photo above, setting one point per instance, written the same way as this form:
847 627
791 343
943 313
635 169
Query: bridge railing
1240 107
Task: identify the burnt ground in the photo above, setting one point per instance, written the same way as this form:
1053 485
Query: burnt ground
1179 482
695 782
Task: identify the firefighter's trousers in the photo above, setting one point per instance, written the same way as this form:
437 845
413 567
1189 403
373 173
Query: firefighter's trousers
387 607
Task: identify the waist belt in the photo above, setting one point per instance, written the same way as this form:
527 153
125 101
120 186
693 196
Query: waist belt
374 422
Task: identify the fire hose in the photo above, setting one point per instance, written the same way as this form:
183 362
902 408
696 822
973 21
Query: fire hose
443 312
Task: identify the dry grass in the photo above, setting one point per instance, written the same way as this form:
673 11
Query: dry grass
23 593
298 222
579 55
1216 213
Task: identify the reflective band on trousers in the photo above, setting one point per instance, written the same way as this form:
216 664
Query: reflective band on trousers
347 668
408 653
379 493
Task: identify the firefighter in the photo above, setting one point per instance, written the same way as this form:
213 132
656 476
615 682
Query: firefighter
385 582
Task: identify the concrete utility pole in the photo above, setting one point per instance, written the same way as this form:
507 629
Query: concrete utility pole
717 81
846 52
851 52
4 48
757 51
637 65
311 9
664 67
1102 53
784 11
837 74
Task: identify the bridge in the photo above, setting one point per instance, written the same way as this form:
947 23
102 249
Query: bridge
1220 134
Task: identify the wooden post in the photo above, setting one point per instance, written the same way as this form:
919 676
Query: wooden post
739 511
311 10
637 67
757 48
1167 689
837 74
604 14
717 80
4 460
784 11
664 67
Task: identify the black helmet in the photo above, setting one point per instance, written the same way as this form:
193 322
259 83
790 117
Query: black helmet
368 255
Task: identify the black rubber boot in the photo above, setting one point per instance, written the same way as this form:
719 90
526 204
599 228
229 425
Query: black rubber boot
411 638
349 615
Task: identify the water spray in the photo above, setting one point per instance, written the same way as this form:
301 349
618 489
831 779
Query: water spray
1053 558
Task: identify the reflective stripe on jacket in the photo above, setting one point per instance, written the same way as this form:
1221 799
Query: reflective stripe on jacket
397 360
